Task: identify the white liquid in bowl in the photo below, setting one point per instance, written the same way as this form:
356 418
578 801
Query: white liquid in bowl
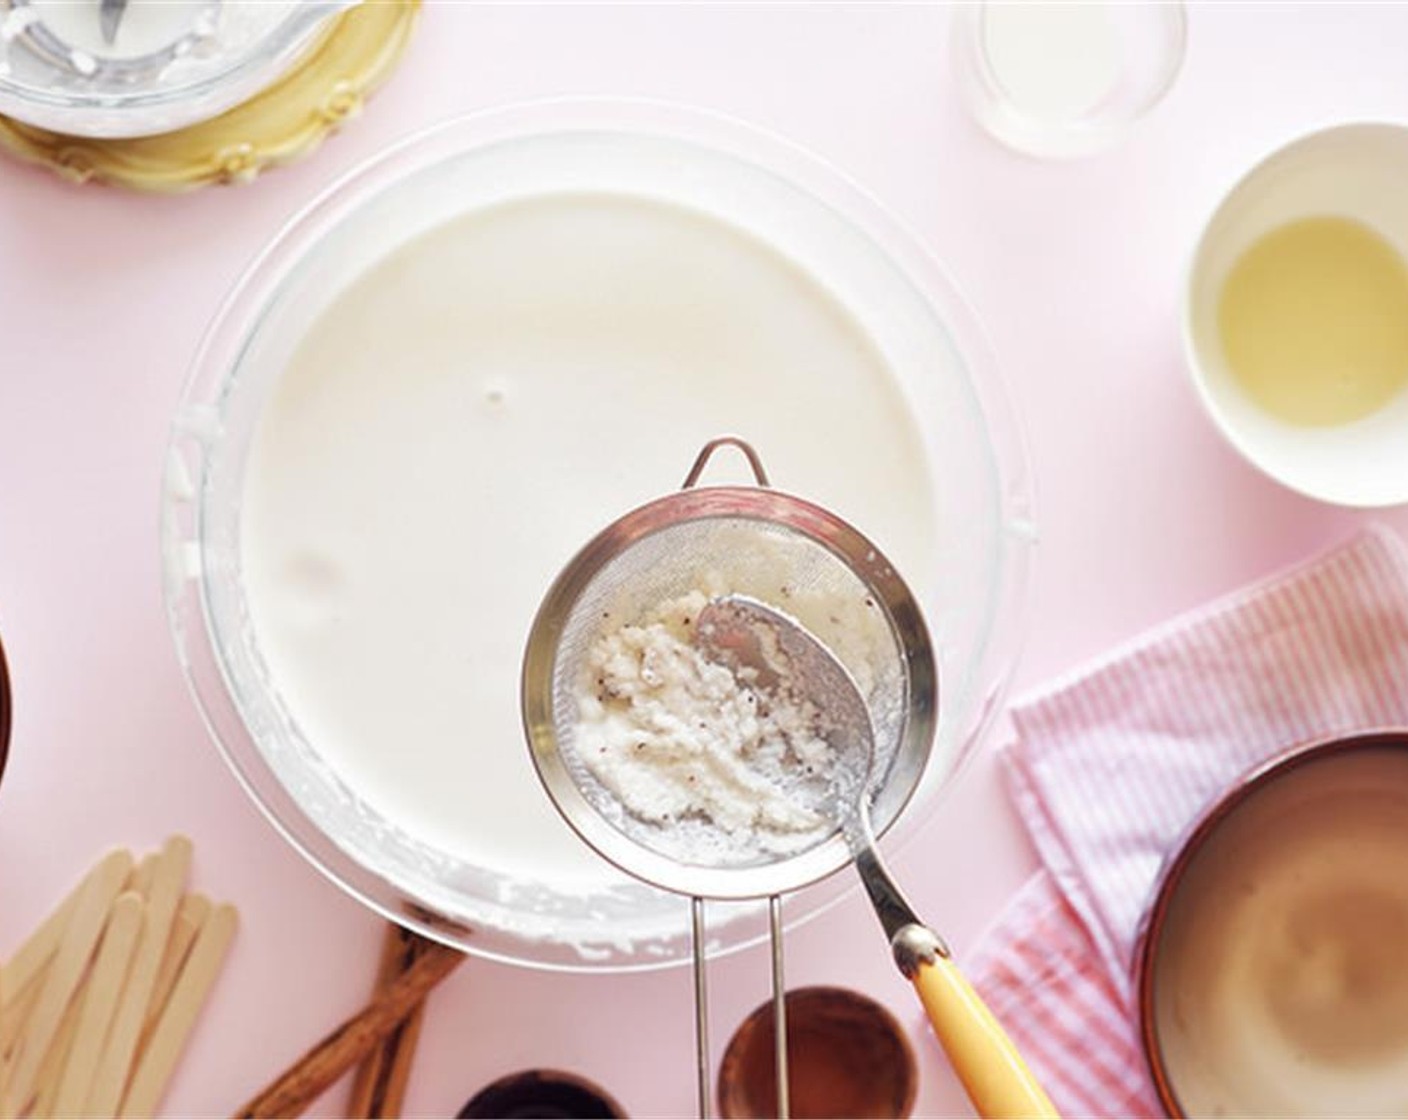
475 408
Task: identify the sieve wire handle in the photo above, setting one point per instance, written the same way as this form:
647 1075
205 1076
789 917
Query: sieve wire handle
701 1009
779 1008
707 452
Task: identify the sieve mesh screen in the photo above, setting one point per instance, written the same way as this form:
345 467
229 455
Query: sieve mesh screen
776 563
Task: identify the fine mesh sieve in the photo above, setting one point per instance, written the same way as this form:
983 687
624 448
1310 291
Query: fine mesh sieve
745 540
779 549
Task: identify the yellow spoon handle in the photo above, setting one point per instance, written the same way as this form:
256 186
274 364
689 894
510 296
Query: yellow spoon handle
997 1079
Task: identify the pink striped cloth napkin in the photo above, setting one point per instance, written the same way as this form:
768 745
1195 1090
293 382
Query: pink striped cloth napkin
1112 763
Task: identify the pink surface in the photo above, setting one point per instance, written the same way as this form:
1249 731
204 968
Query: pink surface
1074 267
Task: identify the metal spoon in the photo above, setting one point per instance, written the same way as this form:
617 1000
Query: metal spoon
744 633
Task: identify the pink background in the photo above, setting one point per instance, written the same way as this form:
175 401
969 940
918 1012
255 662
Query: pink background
1074 267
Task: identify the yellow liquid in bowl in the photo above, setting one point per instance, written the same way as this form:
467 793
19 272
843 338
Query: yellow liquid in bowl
1314 321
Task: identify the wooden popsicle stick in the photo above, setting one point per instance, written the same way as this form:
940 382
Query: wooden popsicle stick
299 1085
379 1087
36 952
114 1067
202 966
190 916
46 1086
104 985
71 959
17 1012
142 875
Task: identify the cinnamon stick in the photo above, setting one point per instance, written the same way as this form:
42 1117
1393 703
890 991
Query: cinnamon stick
380 1085
298 1086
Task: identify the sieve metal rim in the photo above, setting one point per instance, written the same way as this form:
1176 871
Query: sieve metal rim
761 503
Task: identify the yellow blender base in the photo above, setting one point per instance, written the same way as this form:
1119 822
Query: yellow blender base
347 61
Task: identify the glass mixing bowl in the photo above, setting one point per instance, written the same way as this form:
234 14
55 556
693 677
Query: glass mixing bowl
170 65
802 208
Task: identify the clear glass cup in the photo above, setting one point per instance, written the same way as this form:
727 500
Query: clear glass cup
1058 80
170 65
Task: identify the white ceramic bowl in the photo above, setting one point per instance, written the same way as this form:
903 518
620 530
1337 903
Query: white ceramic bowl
1354 171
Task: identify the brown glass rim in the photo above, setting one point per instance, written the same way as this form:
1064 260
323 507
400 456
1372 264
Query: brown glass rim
1190 844
530 1086
6 711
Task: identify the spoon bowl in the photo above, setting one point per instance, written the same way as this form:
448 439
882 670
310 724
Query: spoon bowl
769 649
